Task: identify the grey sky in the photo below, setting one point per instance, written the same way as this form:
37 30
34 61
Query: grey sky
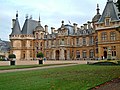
52 12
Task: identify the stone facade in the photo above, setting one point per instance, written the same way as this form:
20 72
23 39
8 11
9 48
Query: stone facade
97 39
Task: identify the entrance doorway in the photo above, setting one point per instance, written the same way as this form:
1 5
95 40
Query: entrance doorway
105 54
65 53
57 54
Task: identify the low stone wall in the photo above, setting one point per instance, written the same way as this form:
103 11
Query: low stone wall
4 63
26 62
60 62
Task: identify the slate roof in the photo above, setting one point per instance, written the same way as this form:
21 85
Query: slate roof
16 28
29 26
111 11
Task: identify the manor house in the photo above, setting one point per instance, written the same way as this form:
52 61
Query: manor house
96 39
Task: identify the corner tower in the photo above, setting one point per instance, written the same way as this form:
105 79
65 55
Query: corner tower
108 32
15 38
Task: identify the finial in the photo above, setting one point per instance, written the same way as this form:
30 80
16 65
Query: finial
39 20
39 17
30 16
98 9
26 16
16 14
62 22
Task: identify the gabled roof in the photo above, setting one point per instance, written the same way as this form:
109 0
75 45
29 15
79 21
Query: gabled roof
109 11
16 28
29 26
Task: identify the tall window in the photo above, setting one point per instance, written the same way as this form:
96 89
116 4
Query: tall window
30 53
24 44
104 36
52 42
30 43
107 21
77 41
36 35
113 49
77 54
84 40
62 42
112 36
47 43
91 54
41 44
84 54
91 40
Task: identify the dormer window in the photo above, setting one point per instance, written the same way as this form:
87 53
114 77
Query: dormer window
107 22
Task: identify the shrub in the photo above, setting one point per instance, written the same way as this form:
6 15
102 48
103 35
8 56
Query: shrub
40 55
12 56
104 63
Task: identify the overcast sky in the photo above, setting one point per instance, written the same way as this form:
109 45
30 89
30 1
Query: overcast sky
52 12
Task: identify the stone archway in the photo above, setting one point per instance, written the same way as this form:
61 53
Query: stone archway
105 54
57 54
65 54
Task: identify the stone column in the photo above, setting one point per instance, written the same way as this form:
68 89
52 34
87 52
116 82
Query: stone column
68 54
53 54
62 56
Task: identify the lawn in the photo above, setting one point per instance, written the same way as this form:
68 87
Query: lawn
28 66
79 77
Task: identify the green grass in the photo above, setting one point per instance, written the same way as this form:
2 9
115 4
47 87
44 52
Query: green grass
28 66
79 77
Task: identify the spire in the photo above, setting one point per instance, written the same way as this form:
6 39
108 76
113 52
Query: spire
16 28
39 24
62 26
16 14
111 11
98 9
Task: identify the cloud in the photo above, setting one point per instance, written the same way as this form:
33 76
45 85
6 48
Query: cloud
52 12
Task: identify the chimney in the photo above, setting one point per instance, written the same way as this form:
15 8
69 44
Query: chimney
85 26
52 30
46 29
89 25
75 27
13 22
82 27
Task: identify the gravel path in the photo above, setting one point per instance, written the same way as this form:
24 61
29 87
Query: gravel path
36 68
112 85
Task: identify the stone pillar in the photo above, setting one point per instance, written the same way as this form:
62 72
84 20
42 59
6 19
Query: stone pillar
62 56
53 54
68 54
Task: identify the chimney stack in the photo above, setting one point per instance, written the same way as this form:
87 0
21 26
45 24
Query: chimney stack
82 27
52 30
13 22
89 25
75 27
85 26
46 29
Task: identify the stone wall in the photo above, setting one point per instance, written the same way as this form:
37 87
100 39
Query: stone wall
26 62
4 63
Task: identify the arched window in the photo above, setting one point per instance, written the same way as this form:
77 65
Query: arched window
77 54
77 41
91 53
84 40
112 36
36 35
84 54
